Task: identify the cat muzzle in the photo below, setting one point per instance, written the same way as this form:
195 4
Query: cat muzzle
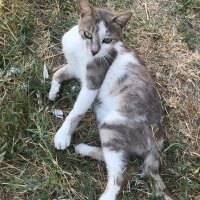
94 52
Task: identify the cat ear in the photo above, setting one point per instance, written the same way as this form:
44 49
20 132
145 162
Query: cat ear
122 18
85 8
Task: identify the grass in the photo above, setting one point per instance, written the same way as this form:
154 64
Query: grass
166 35
189 14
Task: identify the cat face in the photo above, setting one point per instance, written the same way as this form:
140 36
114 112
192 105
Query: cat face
99 28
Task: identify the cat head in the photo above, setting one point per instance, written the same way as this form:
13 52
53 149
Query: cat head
100 28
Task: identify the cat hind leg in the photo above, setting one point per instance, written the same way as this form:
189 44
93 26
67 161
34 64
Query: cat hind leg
87 150
116 169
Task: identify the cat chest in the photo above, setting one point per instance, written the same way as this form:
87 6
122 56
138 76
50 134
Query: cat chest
106 104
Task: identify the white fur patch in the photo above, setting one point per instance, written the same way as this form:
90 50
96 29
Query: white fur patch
102 31
87 150
63 137
84 149
84 101
55 87
114 164
75 52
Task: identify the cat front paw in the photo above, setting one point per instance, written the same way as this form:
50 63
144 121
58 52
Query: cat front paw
52 96
107 196
53 93
62 139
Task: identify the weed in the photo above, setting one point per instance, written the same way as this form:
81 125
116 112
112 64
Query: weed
188 35
183 6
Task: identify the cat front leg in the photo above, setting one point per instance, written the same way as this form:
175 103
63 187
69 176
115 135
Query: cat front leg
84 101
59 76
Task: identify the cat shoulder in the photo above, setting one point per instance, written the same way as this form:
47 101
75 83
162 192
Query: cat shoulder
71 37
129 53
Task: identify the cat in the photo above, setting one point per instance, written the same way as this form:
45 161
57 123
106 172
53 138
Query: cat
126 103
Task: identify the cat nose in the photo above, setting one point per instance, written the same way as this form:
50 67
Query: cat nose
94 52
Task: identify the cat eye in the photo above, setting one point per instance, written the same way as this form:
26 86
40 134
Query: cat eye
107 40
88 35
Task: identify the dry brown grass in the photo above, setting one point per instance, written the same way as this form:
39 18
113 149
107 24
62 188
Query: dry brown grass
177 72
30 33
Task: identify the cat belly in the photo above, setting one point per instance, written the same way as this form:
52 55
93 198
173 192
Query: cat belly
106 110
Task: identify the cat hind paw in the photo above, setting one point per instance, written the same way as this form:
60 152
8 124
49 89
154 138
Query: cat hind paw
83 149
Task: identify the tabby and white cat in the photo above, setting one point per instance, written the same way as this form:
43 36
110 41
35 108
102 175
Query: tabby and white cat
124 97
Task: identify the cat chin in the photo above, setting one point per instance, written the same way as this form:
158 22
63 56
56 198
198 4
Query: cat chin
102 53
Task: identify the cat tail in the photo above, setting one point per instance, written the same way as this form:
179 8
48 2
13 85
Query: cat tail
161 191
151 169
